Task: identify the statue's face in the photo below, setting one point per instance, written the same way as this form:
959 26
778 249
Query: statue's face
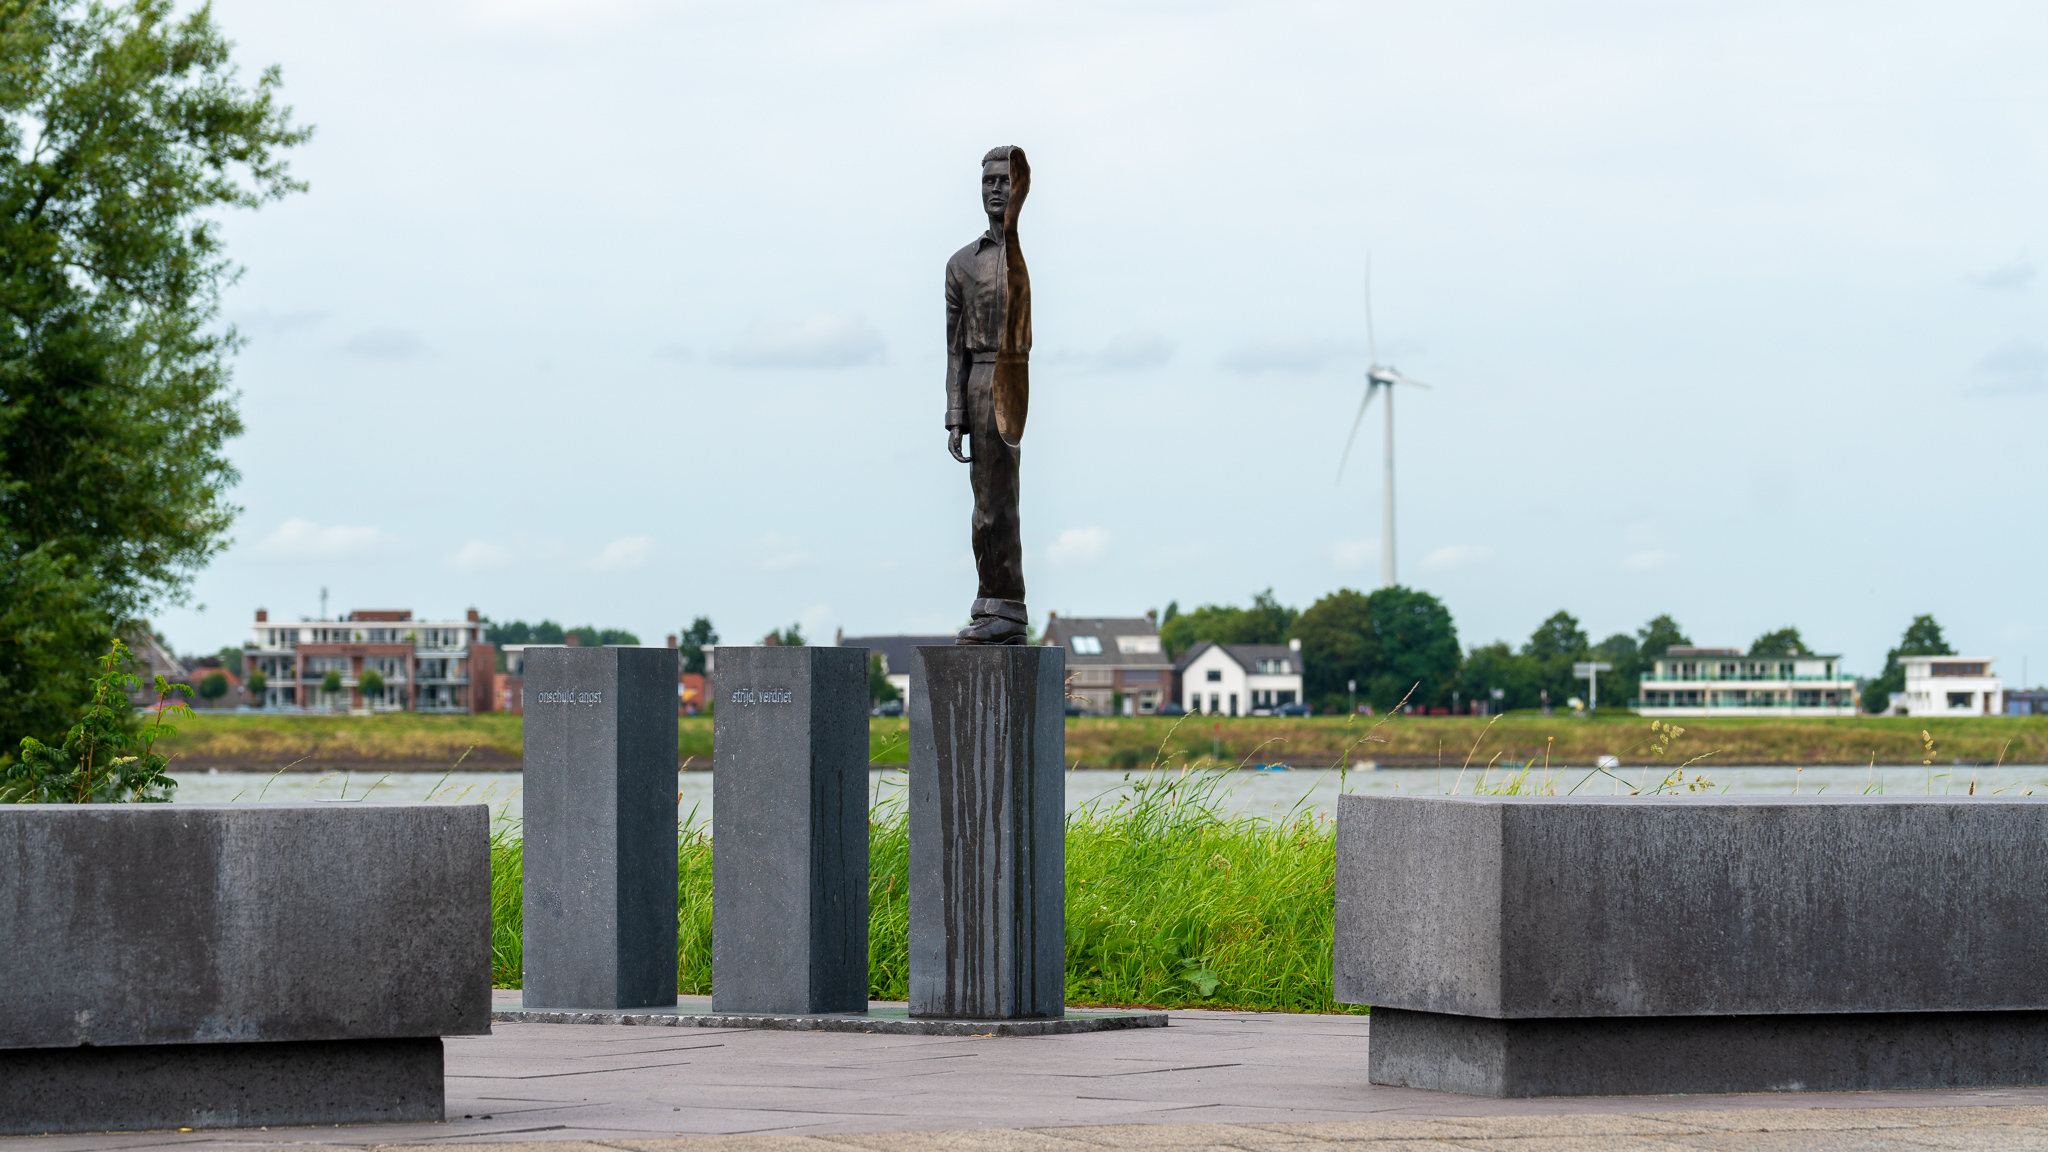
995 187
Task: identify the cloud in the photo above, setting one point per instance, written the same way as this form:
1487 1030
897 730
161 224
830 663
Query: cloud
1354 553
625 552
2019 368
478 555
673 352
1457 555
822 340
778 552
1644 561
301 539
1078 544
1285 354
2015 274
1133 351
387 343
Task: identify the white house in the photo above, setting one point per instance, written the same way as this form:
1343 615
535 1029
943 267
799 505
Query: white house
1948 686
1240 679
1688 681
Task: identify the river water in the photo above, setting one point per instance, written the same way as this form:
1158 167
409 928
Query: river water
1271 793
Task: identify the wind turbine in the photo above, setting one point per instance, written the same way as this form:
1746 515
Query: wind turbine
1378 376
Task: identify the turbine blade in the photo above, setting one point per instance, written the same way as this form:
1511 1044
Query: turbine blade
1353 438
1372 344
1393 377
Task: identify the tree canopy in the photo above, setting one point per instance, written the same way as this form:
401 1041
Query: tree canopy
1923 638
126 129
696 639
1393 641
1782 642
1267 621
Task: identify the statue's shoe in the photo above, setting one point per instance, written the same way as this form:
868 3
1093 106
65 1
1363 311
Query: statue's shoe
992 630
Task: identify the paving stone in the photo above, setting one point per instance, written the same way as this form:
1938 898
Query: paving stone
1630 1124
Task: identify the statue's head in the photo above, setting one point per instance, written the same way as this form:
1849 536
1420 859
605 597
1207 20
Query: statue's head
995 180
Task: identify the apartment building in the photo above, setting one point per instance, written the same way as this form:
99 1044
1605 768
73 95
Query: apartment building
426 665
1691 681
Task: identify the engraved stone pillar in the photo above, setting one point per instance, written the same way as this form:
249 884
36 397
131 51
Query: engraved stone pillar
789 817
987 832
600 828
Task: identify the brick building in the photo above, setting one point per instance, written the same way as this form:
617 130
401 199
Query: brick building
1114 664
427 666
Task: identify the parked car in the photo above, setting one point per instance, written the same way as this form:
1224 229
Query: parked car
1295 709
1074 709
1171 710
890 708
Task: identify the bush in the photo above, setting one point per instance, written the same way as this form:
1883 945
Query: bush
106 758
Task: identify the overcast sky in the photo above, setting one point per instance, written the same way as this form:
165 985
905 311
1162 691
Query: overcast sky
624 313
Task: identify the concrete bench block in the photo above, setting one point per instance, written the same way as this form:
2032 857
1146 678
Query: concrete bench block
1503 932
137 938
599 851
790 819
988 832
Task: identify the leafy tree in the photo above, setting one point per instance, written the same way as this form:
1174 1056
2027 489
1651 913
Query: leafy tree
1619 685
592 637
1783 642
1391 641
1267 621
1418 648
1656 638
254 687
789 637
331 685
1555 646
371 685
231 659
50 611
1496 665
1923 638
213 686
124 131
696 639
1338 643
106 757
879 689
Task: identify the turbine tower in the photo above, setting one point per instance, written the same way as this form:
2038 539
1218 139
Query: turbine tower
1378 376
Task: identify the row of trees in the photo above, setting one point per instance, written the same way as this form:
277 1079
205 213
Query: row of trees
549 632
1397 643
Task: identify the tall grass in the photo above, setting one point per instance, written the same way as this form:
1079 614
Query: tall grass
1171 901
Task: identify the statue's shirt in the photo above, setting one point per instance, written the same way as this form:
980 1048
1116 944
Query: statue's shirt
974 315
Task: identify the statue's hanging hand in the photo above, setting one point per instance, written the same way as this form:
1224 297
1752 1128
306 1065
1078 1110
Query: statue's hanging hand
953 436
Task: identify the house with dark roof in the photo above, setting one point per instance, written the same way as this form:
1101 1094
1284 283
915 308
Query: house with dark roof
1240 679
1115 664
895 654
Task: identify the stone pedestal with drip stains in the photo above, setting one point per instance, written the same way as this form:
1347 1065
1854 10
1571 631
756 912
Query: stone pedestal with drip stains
987 832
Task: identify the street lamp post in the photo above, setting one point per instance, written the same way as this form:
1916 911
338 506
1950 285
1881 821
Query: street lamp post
1351 686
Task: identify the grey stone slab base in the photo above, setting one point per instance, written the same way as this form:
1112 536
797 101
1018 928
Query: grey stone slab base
886 1018
1660 1055
136 1087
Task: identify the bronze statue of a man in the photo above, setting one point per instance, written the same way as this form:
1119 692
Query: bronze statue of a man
988 388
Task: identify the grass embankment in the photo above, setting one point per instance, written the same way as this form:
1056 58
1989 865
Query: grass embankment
1170 902
322 743
1418 741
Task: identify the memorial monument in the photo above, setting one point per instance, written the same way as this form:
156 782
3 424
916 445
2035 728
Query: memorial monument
600 836
789 813
987 716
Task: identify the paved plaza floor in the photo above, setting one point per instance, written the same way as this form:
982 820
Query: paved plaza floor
1253 1081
